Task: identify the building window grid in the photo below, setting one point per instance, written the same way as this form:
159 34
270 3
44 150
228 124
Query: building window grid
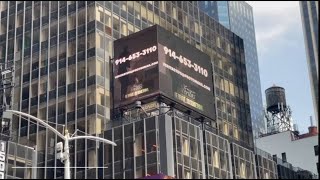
210 145
243 165
187 169
18 155
145 152
48 42
266 166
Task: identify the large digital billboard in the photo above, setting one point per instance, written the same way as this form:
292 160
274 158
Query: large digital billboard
135 67
185 73
155 62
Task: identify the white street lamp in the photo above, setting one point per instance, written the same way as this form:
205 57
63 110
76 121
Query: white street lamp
65 156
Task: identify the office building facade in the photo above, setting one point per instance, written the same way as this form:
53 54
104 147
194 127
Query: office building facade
287 171
175 144
61 52
238 17
310 21
266 167
19 156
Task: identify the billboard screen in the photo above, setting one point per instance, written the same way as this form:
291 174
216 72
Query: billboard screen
135 67
185 73
153 62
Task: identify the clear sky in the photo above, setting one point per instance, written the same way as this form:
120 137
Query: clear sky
282 58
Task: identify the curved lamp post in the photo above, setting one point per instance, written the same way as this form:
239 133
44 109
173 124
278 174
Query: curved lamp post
66 138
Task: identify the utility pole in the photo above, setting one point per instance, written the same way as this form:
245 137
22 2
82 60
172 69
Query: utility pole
67 156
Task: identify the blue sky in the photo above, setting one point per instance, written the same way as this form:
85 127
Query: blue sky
282 58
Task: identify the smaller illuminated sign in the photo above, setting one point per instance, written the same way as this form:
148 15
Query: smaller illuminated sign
137 92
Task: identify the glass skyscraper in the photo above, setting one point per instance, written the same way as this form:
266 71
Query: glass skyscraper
219 10
61 51
310 22
238 17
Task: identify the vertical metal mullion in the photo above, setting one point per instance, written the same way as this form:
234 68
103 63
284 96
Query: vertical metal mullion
25 157
134 148
40 55
15 158
7 32
7 150
30 87
123 153
112 157
234 159
201 131
175 138
145 145
204 144
21 76
104 86
57 89
76 87
102 154
48 70
253 164
229 158
30 74
217 149
105 91
86 98
21 79
203 29
6 61
196 129
157 142
13 73
182 148
76 84
218 156
152 15
189 144
39 79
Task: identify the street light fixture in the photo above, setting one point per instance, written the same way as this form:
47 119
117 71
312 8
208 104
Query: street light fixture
65 156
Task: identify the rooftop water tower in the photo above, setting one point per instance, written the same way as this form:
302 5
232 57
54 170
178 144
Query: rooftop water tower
278 113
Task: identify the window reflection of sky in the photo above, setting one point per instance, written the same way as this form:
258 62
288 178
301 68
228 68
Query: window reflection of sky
223 13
